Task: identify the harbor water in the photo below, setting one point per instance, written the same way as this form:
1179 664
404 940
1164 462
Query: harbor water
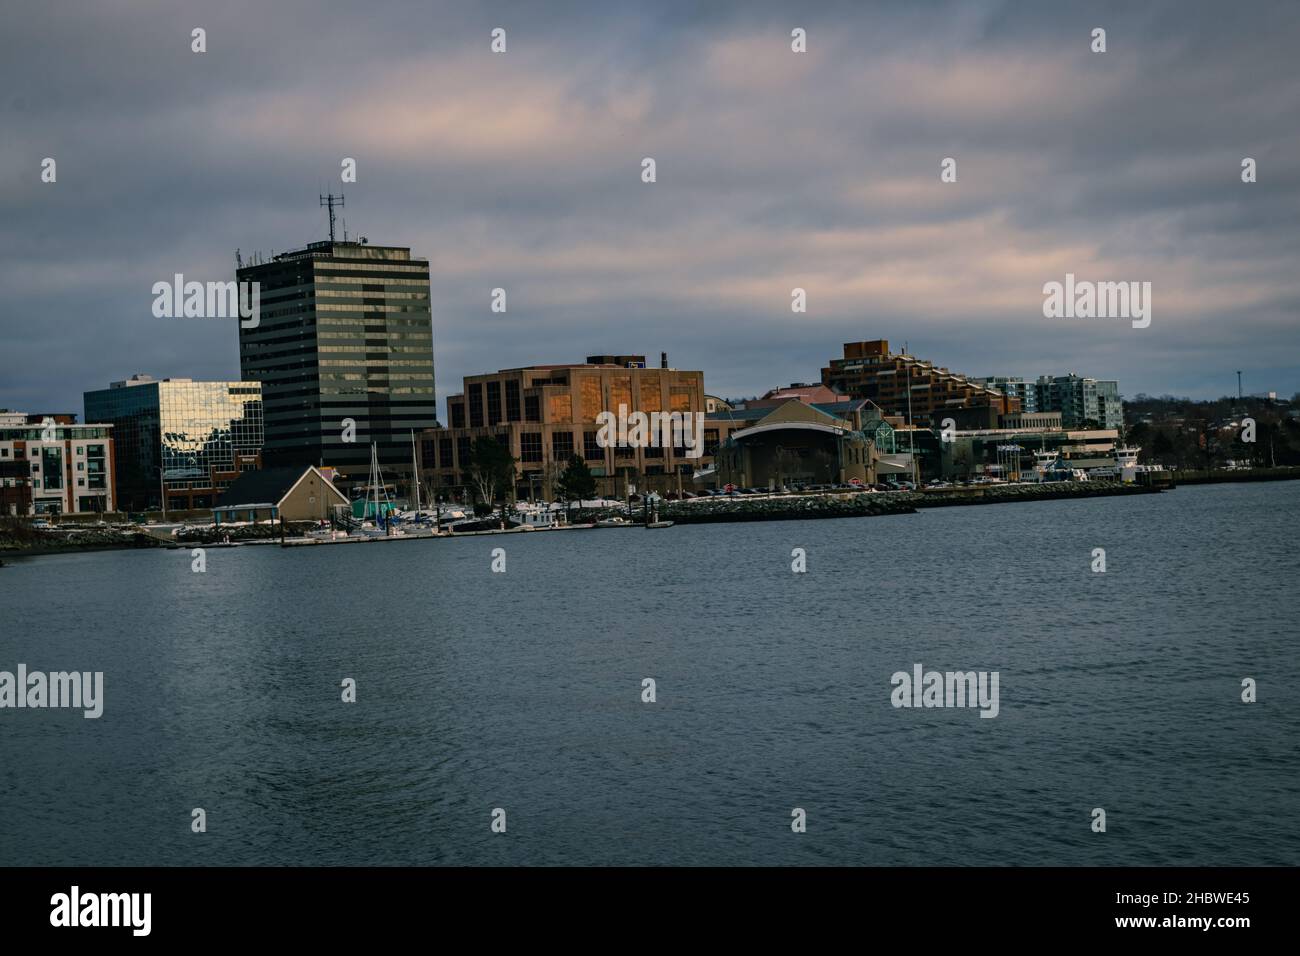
524 690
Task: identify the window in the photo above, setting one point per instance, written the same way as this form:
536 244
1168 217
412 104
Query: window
530 446
560 407
512 401
444 453
561 446
591 449
52 462
493 403
589 393
651 398
474 395
532 408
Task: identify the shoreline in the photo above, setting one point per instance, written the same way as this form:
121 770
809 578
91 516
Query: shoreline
720 511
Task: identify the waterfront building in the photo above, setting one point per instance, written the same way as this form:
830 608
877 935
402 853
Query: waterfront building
273 493
1045 421
344 352
870 370
1082 402
797 442
1011 452
191 438
50 465
1025 392
545 414
809 394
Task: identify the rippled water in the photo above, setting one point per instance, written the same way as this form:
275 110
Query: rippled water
523 691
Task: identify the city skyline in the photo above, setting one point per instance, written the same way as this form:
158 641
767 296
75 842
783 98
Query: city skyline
775 171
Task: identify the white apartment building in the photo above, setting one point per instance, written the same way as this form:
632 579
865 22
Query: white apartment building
49 465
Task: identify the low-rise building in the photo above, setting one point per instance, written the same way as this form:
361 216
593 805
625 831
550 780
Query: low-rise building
902 384
1012 452
546 414
1083 402
54 466
290 493
186 439
798 443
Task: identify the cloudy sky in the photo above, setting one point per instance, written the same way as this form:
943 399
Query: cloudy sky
775 170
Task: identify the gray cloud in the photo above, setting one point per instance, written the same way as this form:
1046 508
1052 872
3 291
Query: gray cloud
775 170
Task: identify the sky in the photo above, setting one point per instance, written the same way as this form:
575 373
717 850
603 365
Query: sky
775 170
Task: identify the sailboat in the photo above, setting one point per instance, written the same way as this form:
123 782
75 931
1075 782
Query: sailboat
381 523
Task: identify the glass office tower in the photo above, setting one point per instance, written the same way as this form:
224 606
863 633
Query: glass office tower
345 334
193 438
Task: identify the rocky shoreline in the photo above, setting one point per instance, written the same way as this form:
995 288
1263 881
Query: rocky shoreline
863 505
1005 494
18 539
24 541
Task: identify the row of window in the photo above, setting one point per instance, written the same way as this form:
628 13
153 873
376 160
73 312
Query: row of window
531 451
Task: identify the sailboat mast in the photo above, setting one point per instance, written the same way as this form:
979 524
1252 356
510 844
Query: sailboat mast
415 473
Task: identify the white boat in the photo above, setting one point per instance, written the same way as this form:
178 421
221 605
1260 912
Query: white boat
660 524
614 522
536 518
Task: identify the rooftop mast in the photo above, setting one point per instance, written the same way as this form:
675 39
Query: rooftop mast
331 200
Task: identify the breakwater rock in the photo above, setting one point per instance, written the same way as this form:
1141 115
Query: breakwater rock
792 508
1000 494
26 540
217 534
865 504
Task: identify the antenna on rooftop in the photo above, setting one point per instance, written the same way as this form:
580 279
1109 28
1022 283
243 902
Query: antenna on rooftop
331 200
239 262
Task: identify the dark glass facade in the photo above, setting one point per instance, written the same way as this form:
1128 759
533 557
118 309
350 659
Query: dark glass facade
194 437
345 332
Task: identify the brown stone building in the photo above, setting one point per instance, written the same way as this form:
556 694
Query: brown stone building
545 414
870 370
